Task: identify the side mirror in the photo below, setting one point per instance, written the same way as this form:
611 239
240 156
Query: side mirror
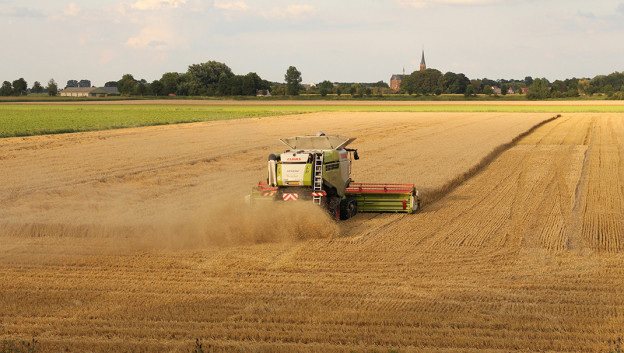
355 155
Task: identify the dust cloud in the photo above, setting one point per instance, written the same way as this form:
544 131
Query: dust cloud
231 223
215 224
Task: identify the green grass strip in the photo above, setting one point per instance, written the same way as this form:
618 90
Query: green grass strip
27 120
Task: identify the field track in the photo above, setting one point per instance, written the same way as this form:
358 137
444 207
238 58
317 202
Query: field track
133 239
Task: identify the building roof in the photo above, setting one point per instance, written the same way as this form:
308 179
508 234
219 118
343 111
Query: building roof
110 90
92 90
98 90
398 77
78 89
422 61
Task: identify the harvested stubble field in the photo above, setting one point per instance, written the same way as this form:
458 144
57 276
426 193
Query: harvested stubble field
135 240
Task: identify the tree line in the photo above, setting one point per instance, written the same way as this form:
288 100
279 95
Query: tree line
19 87
433 82
213 78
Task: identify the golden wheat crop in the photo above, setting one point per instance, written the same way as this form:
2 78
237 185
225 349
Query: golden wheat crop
124 241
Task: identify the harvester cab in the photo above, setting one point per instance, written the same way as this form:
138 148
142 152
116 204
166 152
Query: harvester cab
318 169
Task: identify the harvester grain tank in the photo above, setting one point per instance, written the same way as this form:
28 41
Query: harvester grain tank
318 169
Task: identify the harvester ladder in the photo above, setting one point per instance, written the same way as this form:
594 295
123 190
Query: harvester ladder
318 178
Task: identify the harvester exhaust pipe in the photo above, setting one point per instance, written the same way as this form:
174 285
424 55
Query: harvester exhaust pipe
272 170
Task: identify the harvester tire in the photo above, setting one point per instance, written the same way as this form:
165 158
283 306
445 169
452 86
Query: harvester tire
415 203
348 208
333 207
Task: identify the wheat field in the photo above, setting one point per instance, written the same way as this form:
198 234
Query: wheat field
135 240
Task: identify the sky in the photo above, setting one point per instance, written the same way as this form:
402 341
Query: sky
336 40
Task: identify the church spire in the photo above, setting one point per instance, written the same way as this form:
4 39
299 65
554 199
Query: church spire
423 66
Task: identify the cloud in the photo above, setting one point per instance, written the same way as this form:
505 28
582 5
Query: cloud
72 10
292 11
156 4
21 12
588 15
155 37
232 6
419 4
157 44
106 56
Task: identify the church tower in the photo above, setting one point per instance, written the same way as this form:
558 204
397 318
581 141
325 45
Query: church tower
423 66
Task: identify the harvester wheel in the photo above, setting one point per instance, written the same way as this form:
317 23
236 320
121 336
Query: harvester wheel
333 207
348 208
415 203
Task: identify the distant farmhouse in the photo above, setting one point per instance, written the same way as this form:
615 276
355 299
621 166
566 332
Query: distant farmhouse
89 91
395 80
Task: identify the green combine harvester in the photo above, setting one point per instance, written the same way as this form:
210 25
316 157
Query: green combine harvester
318 169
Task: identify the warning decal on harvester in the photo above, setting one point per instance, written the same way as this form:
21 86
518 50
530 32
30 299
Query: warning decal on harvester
290 197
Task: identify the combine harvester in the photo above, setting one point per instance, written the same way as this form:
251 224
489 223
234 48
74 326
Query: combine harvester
318 169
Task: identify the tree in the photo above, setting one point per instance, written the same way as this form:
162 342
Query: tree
157 88
608 90
381 84
487 90
477 85
36 88
572 84
251 83
326 87
84 83
455 83
170 82
110 84
572 92
538 89
71 83
208 74
52 87
504 89
127 84
470 91
248 86
354 89
7 89
188 86
19 87
559 86
278 90
429 80
140 89
293 79
408 85
583 84
423 82
236 85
